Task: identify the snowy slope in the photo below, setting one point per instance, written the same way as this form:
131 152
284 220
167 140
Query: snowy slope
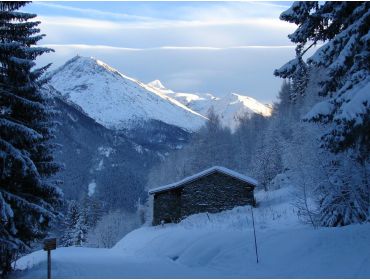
230 107
234 106
221 246
115 100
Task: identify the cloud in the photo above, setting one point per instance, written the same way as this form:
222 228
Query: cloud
163 24
96 47
201 24
216 47
182 11
94 12
92 24
207 33
177 48
269 4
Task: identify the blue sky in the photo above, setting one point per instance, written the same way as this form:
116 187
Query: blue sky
216 47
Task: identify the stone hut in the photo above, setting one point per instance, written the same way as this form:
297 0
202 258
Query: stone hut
212 190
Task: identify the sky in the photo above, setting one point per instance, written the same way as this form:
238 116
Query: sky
209 47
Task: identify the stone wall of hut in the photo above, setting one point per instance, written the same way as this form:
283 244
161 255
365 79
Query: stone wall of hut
167 207
212 193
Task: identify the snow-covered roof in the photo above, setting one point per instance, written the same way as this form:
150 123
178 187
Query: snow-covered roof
206 172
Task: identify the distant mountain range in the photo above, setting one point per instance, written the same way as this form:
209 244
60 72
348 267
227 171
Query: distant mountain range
120 102
230 108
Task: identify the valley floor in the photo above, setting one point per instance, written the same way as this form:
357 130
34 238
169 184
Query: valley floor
220 246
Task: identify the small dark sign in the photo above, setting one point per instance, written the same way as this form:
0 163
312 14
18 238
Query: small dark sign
50 244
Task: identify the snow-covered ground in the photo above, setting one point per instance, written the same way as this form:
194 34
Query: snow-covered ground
220 246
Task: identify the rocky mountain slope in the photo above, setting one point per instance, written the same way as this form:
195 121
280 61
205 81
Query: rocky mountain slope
98 161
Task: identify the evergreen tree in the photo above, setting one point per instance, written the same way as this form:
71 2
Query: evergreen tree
344 85
212 145
79 233
345 57
342 200
28 196
297 71
284 105
93 209
76 226
299 79
71 220
285 111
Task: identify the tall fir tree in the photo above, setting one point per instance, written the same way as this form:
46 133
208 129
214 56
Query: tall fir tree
81 229
71 219
76 225
93 209
344 28
28 195
344 85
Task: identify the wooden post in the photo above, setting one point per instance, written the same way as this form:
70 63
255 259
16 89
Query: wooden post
50 244
49 264
254 232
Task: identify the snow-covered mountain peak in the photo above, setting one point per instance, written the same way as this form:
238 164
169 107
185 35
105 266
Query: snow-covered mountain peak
157 84
251 103
91 65
230 107
116 100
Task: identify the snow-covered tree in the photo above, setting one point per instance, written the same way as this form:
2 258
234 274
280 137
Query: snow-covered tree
70 222
76 226
344 26
245 140
80 231
344 110
297 71
267 162
342 199
93 209
28 196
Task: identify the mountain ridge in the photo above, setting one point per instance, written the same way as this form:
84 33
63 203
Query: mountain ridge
116 100
120 102
230 108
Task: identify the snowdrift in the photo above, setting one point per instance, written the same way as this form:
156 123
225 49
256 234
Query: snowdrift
220 246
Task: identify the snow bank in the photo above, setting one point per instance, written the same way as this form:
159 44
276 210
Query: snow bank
221 246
